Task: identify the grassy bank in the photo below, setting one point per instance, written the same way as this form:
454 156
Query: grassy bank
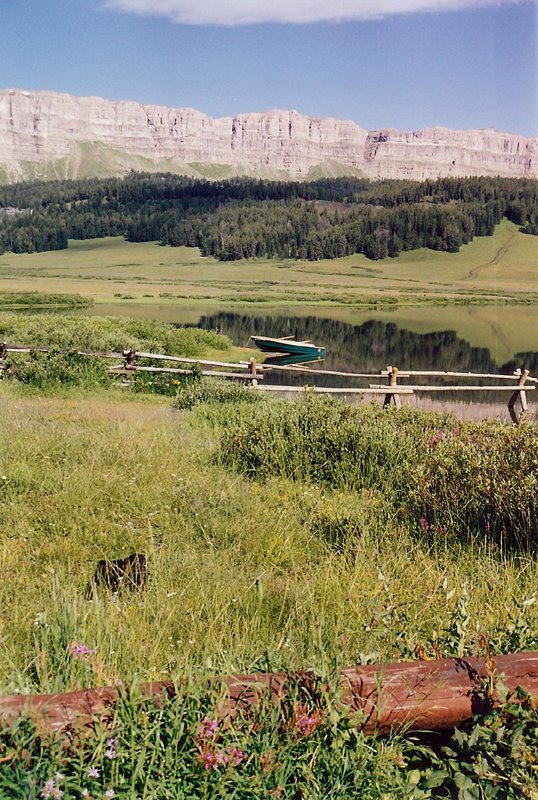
276 539
242 572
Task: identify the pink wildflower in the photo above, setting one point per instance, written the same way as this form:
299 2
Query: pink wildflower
306 723
208 728
210 759
235 756
80 650
111 745
94 772
50 790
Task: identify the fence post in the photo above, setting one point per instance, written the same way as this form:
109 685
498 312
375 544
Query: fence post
130 358
3 354
252 370
521 395
390 397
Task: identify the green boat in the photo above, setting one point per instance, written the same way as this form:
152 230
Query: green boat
288 346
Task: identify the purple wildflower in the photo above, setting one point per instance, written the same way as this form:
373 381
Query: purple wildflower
111 745
50 790
208 728
235 756
210 759
94 772
306 723
80 650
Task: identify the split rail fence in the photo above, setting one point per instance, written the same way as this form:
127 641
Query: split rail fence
516 385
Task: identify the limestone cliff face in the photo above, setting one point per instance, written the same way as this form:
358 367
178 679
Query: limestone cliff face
45 134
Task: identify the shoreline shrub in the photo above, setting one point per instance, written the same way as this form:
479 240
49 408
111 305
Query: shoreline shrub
46 370
445 478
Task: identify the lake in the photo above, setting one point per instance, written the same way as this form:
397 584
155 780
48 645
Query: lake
411 338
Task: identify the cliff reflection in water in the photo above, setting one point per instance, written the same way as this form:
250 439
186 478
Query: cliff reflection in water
368 347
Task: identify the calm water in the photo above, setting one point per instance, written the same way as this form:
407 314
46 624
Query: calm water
367 346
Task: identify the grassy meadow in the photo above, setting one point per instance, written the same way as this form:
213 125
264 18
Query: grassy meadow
305 535
264 553
496 268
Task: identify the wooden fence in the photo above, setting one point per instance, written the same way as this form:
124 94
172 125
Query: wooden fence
519 383
415 695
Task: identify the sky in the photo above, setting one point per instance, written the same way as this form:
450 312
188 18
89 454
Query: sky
405 64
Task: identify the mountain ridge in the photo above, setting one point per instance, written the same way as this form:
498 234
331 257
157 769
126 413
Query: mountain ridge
46 134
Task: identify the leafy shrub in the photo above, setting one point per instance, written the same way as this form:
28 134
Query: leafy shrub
44 370
193 393
479 479
108 333
43 299
328 442
445 477
493 758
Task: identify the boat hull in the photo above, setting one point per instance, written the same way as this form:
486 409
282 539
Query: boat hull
288 347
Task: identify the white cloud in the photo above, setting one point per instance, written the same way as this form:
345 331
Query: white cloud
250 12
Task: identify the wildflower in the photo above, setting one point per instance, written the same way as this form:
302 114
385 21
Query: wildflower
50 790
235 756
94 772
80 650
111 745
86 793
110 793
305 723
208 728
210 759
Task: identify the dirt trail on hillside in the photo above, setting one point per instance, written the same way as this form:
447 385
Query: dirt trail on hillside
501 252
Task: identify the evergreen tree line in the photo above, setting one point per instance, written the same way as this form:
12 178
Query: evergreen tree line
247 218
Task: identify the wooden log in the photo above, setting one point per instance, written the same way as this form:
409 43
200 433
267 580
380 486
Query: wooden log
252 371
309 371
337 389
460 388
180 359
426 695
124 368
406 373
391 397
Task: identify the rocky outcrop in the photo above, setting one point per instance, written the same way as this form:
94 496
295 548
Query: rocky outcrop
46 134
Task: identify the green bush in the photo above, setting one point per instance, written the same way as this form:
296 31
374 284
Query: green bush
108 333
193 393
445 478
45 370
328 442
43 299
480 479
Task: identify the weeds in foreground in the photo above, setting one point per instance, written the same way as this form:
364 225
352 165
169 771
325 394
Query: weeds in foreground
303 746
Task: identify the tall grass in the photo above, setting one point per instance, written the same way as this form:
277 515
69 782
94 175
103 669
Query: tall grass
242 575
318 571
477 480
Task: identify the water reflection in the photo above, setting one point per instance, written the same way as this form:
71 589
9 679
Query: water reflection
372 346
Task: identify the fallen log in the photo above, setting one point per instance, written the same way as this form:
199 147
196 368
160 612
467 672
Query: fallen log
426 695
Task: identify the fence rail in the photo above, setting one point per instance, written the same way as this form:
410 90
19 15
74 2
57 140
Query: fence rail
253 372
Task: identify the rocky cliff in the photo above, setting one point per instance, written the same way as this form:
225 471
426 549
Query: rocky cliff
45 134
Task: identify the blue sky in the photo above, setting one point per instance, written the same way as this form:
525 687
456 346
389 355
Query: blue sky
381 63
